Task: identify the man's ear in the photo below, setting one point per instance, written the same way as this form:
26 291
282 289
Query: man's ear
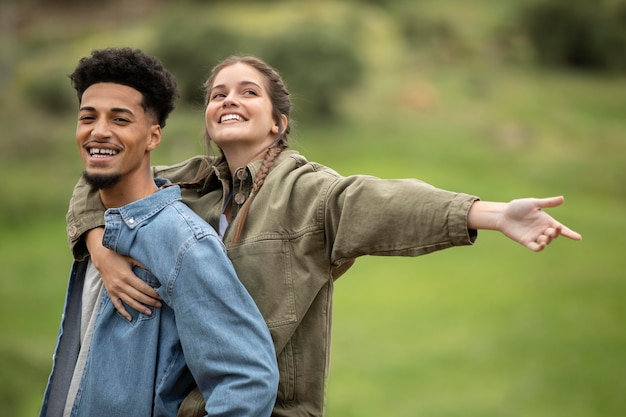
155 138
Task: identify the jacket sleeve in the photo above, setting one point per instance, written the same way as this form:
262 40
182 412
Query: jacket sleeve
366 215
86 210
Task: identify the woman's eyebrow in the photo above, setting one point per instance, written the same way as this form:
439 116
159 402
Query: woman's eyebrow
242 83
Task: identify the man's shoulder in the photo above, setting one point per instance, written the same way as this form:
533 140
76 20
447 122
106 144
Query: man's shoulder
184 170
180 220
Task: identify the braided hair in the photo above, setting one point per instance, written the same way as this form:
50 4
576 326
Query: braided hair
268 161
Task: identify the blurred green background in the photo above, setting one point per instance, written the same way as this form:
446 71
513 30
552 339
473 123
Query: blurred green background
500 98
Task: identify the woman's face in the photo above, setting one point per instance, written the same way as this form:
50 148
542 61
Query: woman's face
239 112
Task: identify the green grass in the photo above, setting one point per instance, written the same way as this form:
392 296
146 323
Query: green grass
484 331
36 266
491 330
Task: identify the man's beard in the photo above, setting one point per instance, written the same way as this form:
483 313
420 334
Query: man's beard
101 182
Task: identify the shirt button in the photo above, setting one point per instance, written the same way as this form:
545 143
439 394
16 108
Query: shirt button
131 220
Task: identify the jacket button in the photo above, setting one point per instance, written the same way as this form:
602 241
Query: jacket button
242 174
240 198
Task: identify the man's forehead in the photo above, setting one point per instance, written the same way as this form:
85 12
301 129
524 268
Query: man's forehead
111 96
112 92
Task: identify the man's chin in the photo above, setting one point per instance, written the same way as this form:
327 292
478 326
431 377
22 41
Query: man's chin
101 182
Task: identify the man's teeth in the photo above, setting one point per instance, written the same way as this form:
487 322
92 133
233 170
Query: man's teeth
228 117
99 151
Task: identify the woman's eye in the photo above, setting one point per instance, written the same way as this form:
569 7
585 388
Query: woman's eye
249 92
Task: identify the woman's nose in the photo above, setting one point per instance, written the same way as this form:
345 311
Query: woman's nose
229 101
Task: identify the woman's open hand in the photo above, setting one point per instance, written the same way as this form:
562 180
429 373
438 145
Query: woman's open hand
525 221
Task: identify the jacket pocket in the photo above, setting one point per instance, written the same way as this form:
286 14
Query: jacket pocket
264 268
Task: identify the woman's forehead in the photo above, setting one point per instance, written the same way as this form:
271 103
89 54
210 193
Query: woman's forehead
239 73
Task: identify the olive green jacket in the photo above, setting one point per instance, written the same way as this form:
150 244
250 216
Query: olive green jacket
305 228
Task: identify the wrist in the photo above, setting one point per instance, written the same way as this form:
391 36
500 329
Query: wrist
485 215
93 240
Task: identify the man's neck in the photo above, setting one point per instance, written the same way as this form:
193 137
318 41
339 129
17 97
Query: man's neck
126 192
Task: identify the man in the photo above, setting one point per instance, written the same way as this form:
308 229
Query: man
209 329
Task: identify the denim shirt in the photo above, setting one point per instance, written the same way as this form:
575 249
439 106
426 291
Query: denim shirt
208 331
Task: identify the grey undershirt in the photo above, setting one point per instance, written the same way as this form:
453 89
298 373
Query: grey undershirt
92 293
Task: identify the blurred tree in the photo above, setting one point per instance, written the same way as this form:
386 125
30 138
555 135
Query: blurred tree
189 48
318 63
8 28
577 33
49 91
434 36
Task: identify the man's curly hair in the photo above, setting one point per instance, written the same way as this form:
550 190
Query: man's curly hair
133 68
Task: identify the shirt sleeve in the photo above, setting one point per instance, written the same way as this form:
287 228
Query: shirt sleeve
226 342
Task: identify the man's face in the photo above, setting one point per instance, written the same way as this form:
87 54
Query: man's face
114 134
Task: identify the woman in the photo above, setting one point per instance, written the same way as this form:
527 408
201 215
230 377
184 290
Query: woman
293 226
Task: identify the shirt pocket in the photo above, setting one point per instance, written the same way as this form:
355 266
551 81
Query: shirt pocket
265 269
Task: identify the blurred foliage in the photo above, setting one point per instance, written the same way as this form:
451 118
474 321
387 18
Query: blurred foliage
578 34
317 60
321 64
48 92
188 46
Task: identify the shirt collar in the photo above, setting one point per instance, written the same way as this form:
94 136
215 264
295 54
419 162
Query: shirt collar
139 211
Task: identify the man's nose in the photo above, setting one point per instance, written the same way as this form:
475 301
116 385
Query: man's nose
100 129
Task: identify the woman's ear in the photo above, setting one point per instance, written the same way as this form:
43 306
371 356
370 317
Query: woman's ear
276 128
285 121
